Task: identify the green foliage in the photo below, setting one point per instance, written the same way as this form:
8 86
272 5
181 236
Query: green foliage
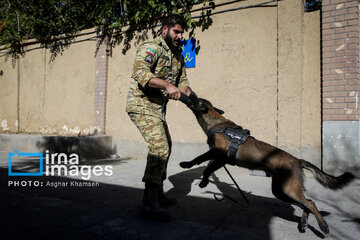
55 23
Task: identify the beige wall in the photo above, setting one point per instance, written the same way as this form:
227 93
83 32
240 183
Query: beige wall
299 112
236 70
52 94
8 96
310 136
270 87
260 65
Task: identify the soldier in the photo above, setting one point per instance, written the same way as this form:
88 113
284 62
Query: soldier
159 72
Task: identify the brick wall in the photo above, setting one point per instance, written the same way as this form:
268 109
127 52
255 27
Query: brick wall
340 60
101 72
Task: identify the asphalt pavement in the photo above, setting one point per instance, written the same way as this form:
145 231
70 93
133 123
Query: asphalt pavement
107 206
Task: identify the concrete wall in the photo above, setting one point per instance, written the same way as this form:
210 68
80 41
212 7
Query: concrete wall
299 122
9 96
341 146
260 65
39 96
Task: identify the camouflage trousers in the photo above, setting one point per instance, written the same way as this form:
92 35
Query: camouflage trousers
157 137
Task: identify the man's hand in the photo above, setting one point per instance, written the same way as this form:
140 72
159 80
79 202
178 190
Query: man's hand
174 92
187 90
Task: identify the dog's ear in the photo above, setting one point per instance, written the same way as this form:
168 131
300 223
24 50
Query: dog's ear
221 112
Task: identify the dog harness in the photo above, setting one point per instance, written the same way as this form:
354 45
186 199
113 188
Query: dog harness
236 136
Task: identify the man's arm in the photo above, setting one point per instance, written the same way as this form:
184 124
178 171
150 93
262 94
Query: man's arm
172 90
146 58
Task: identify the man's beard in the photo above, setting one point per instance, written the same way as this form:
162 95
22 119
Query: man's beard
170 44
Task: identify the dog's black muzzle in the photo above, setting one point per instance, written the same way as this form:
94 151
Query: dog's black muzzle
190 101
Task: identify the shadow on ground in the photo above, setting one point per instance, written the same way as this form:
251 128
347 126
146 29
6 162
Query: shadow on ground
112 211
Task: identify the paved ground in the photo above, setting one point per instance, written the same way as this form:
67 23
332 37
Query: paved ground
110 209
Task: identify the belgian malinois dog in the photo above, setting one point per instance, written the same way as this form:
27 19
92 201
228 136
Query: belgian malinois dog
285 169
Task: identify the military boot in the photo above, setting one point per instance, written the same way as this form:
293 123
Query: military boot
163 200
150 205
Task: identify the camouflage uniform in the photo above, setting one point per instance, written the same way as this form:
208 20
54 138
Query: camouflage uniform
144 104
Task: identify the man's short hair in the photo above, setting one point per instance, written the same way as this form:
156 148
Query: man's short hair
173 19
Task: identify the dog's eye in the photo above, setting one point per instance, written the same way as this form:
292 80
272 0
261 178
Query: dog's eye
204 108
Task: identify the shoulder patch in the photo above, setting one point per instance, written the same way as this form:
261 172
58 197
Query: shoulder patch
148 59
150 51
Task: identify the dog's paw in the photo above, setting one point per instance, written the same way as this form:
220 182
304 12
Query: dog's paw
325 228
302 227
204 183
185 165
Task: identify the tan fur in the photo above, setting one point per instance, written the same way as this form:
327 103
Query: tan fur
285 169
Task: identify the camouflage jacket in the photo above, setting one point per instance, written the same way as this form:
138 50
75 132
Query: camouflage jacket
154 59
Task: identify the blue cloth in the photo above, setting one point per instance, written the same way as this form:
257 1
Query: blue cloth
188 52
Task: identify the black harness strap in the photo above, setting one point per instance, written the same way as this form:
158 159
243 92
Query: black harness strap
233 150
236 136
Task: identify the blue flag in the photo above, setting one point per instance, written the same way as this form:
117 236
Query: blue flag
188 52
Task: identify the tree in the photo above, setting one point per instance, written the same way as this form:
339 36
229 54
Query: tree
56 23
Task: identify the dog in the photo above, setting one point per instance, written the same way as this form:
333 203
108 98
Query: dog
285 169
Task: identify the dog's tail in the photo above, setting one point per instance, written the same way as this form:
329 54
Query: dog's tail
327 180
